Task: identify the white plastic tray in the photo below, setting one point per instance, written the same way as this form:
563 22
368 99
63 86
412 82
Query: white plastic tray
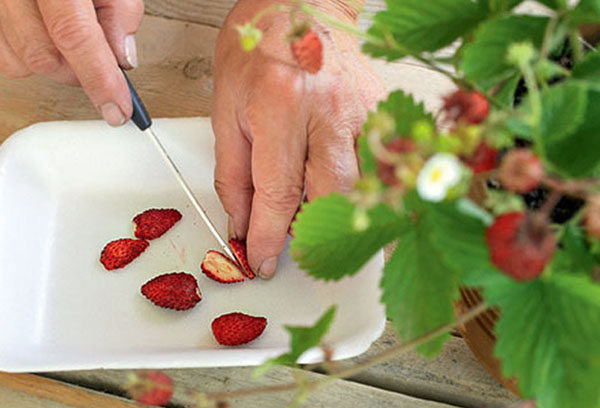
68 188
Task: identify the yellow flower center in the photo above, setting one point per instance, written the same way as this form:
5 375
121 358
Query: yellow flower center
436 175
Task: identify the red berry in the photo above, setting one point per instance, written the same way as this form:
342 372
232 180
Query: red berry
178 291
221 268
234 329
519 245
153 223
521 171
484 158
469 107
307 50
387 172
239 250
117 254
592 216
151 388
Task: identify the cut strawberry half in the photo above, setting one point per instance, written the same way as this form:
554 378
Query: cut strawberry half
117 254
153 223
221 268
178 291
239 250
233 329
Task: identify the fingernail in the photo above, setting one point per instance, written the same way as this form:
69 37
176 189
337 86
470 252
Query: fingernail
112 114
231 229
131 51
266 270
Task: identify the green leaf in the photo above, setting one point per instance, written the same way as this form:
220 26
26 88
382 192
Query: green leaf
405 111
499 6
573 257
587 11
410 27
326 244
302 340
549 338
420 282
571 130
506 95
484 61
588 70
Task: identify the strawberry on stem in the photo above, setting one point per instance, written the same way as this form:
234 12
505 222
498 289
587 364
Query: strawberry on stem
221 268
239 250
153 223
484 158
307 49
178 291
233 329
520 245
470 107
150 387
121 252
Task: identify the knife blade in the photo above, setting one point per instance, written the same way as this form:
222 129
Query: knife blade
142 120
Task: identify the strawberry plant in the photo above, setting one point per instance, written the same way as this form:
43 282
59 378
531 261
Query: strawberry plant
419 171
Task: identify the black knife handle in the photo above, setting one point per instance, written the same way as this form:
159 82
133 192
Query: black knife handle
140 115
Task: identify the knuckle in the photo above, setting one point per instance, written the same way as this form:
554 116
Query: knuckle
70 32
280 199
41 60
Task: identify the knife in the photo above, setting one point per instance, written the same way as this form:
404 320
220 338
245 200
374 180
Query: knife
142 120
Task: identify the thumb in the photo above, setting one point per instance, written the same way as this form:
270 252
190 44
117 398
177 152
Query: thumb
120 20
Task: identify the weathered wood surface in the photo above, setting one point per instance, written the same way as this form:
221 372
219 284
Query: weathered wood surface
176 44
454 377
31 391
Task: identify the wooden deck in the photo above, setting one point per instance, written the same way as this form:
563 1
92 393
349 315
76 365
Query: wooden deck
176 45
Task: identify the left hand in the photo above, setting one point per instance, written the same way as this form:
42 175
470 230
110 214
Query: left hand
280 131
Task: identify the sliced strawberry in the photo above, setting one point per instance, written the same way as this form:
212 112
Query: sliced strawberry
221 268
233 329
239 250
150 388
117 254
153 223
178 290
307 50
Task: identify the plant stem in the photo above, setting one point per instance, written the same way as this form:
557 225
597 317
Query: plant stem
350 371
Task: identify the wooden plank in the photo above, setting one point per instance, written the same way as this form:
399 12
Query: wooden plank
29 391
174 79
455 376
340 394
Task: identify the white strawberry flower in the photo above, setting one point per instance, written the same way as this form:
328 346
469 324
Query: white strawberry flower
439 174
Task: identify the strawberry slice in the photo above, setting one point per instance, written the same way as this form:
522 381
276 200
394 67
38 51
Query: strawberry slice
239 250
233 329
178 290
117 254
221 268
153 223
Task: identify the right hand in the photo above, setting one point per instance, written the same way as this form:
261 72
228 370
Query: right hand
74 42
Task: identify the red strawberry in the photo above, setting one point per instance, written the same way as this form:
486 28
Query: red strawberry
484 159
470 107
150 388
153 223
221 268
521 171
520 245
307 50
117 254
177 291
387 172
234 329
239 250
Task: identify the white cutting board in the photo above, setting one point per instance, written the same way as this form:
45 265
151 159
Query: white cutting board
68 188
